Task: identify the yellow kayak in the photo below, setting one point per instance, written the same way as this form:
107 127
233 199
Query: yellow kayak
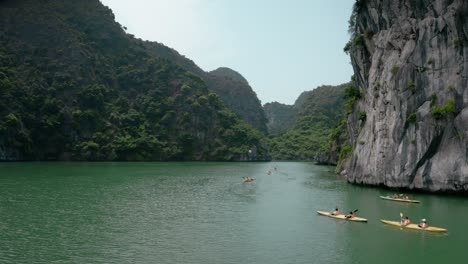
342 217
399 200
414 226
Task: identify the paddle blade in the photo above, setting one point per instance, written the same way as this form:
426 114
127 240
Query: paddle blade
401 215
356 210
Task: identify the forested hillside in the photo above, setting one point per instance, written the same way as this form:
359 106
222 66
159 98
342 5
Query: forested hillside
75 86
281 117
236 92
228 84
318 113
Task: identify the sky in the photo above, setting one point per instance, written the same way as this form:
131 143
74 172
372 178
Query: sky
282 47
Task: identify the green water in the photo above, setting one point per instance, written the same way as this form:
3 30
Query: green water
204 213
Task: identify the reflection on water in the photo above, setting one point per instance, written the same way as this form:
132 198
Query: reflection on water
205 213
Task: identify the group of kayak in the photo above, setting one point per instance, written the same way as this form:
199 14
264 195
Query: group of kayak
248 179
404 222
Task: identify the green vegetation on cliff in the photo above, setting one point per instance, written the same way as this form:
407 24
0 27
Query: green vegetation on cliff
237 94
318 114
73 85
229 85
280 117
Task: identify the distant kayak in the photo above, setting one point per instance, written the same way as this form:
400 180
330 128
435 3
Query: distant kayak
342 217
414 226
399 200
248 180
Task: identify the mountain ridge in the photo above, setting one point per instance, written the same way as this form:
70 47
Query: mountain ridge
79 88
312 119
228 84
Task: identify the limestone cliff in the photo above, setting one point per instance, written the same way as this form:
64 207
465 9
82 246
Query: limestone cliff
410 60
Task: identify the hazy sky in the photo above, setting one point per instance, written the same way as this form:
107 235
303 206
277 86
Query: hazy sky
282 47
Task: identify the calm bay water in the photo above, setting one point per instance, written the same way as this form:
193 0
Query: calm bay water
204 213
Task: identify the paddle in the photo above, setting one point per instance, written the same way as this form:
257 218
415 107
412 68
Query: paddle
401 218
353 213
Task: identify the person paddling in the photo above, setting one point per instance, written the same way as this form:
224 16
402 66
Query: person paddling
350 215
405 221
336 212
423 223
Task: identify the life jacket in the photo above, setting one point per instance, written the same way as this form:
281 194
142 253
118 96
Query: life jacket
406 222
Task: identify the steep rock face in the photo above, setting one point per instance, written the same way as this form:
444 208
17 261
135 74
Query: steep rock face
410 60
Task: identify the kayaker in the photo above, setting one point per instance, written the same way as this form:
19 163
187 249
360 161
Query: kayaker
350 215
336 212
423 223
406 197
405 221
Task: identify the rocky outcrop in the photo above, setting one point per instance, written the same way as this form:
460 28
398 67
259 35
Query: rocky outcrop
410 60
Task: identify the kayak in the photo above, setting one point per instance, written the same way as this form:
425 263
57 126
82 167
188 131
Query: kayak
399 200
248 180
414 226
342 217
